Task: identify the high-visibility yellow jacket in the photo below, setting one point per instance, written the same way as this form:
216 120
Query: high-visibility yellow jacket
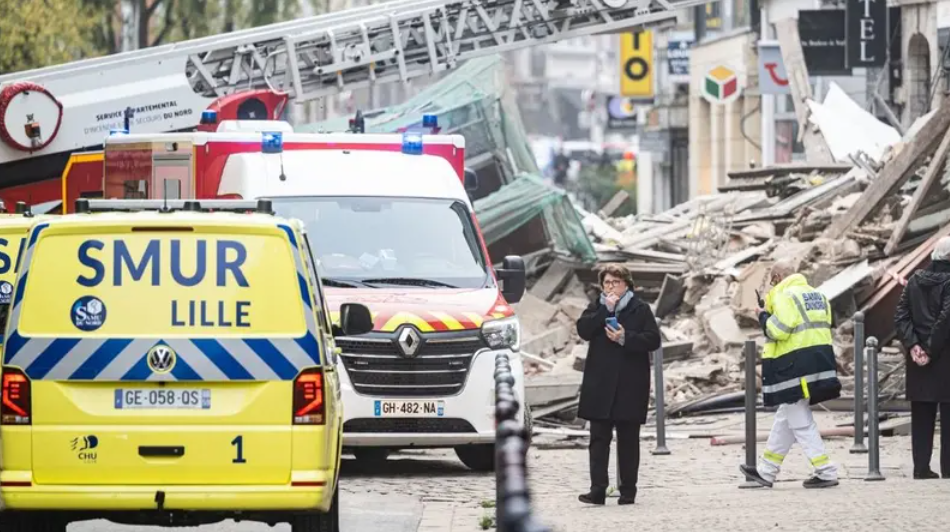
798 360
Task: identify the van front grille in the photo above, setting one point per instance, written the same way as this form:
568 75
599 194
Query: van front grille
377 365
408 425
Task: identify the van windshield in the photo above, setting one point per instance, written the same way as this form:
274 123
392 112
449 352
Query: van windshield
193 283
375 242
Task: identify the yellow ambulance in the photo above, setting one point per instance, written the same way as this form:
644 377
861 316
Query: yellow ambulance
165 365
13 230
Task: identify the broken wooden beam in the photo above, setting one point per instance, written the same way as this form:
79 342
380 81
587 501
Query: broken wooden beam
764 436
894 174
934 173
790 44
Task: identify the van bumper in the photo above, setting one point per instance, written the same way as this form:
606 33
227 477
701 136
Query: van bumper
190 498
469 416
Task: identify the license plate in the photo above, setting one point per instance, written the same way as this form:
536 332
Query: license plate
409 408
170 399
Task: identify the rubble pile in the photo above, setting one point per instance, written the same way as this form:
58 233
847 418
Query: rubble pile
856 231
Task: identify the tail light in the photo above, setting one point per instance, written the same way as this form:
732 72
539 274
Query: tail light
308 398
15 408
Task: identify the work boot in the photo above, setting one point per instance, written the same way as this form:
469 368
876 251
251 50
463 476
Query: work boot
751 473
925 475
817 483
593 498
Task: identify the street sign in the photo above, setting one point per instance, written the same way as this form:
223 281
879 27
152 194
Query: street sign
866 32
677 55
772 76
822 35
636 65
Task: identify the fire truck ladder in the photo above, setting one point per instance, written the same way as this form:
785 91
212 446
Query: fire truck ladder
305 59
395 41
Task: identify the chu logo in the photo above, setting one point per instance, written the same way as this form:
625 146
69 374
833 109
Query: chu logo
84 447
88 313
6 292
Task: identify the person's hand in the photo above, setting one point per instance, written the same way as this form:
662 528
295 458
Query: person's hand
615 334
919 356
611 301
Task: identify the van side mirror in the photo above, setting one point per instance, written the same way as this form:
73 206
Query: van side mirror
471 180
512 275
355 319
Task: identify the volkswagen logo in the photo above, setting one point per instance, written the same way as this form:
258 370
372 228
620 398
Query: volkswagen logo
161 358
409 341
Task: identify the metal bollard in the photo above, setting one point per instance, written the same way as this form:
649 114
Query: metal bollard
874 447
858 447
751 395
659 392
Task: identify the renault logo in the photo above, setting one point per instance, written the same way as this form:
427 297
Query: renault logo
161 358
409 341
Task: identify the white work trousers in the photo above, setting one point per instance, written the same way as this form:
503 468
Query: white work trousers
794 423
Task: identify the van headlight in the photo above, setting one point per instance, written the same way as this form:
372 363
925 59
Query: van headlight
502 333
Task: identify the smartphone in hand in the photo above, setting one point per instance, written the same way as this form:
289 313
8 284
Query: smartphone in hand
613 323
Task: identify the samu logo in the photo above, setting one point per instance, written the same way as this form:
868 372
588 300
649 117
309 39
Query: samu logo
88 313
83 447
6 291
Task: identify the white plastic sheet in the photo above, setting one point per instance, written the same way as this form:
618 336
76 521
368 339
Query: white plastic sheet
849 129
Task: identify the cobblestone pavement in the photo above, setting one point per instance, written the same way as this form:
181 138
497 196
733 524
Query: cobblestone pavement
696 486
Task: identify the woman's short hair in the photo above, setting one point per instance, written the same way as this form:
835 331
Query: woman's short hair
615 270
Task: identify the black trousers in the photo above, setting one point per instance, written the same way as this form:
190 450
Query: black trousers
923 418
628 454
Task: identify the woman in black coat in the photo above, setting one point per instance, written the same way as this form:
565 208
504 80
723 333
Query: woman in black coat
615 392
922 322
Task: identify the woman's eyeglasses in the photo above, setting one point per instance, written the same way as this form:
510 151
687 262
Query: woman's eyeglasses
611 282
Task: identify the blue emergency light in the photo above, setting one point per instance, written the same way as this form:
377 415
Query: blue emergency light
412 143
118 132
430 121
272 142
209 117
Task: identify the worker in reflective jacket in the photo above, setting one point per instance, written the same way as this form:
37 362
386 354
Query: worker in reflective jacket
798 370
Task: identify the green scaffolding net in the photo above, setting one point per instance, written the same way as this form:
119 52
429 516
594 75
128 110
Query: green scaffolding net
474 101
516 203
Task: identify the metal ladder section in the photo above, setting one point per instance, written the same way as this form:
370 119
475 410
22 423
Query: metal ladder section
314 57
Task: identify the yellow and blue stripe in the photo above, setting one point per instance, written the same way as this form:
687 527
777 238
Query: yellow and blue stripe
198 359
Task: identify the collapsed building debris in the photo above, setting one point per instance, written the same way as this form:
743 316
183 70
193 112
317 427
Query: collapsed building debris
857 232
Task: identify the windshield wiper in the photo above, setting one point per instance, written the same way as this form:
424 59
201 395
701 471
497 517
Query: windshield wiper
409 281
340 283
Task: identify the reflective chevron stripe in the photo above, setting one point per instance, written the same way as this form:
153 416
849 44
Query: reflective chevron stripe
197 358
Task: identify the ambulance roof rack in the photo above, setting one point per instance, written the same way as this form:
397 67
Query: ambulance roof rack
86 205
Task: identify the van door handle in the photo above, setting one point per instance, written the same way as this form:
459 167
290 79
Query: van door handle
168 451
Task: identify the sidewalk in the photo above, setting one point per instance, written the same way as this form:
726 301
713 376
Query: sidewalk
696 489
